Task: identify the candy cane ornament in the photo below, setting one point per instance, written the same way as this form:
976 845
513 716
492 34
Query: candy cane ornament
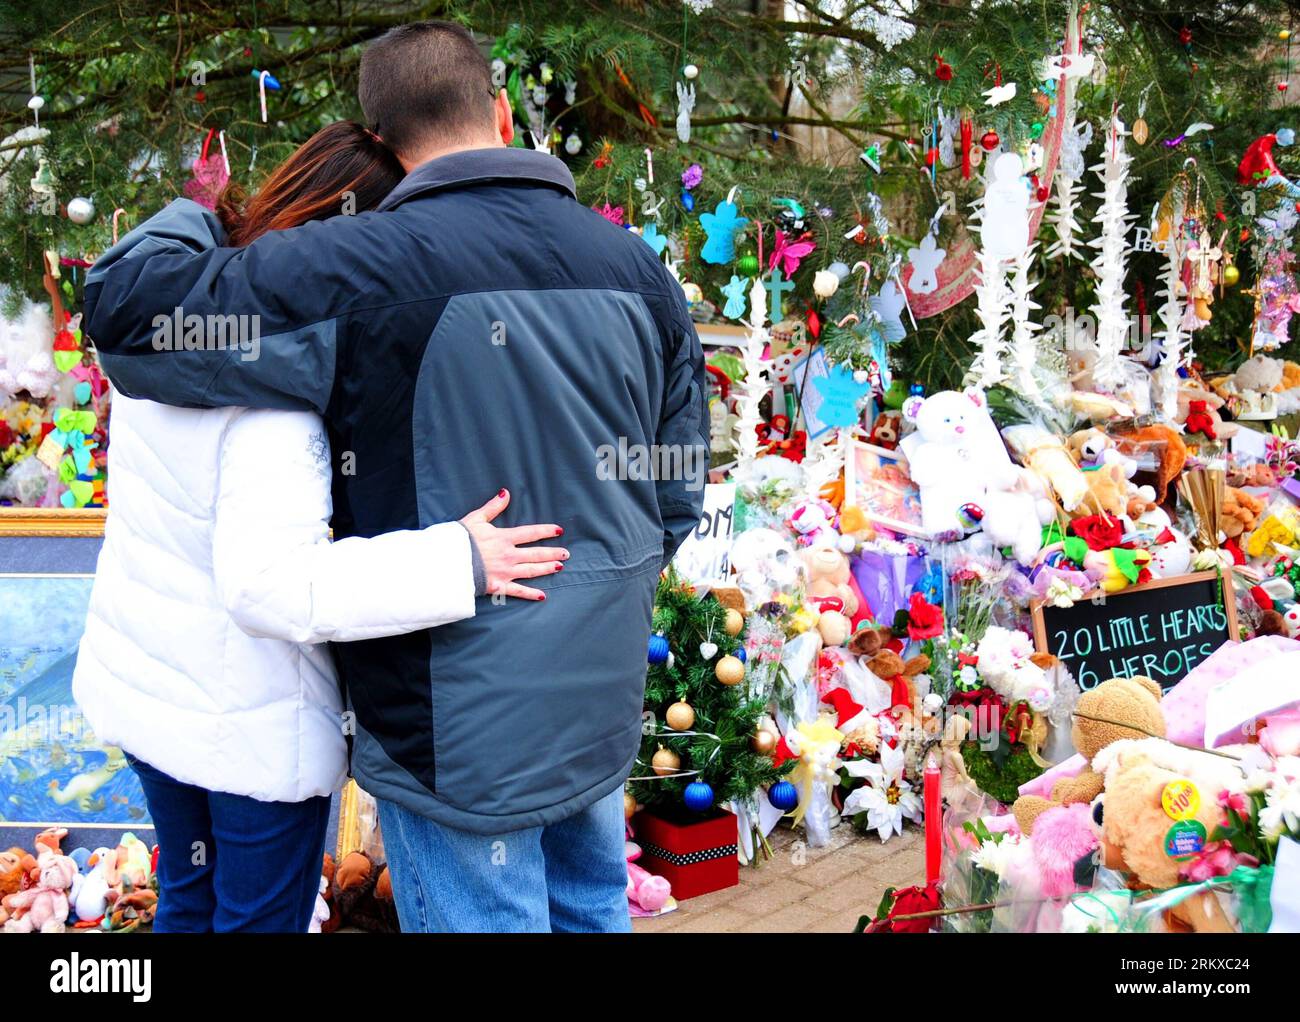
261 91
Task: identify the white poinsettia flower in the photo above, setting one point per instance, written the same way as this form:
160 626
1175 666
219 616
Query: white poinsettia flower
866 768
1281 812
886 798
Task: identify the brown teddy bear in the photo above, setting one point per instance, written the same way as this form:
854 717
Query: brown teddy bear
1169 448
1135 825
363 892
868 641
898 674
1241 512
877 651
1107 492
15 864
885 430
1114 710
828 576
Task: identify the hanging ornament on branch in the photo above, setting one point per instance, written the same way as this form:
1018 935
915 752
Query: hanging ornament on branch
756 383
1110 263
1004 236
1024 329
1069 173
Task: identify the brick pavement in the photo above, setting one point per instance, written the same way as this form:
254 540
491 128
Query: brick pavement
808 890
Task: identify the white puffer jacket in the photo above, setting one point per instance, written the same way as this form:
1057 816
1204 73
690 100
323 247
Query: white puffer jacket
215 583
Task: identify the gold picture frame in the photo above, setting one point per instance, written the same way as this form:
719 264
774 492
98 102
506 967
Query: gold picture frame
38 521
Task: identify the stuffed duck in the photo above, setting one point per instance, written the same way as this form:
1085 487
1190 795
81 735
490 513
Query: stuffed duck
91 897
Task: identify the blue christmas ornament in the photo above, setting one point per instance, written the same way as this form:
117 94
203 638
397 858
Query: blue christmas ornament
657 652
740 654
840 394
735 292
272 83
688 201
721 226
651 236
783 795
698 796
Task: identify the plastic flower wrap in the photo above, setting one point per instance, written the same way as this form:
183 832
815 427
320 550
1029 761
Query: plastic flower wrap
1059 586
764 642
817 744
767 568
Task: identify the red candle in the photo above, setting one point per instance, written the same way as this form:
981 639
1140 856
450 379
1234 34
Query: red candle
933 792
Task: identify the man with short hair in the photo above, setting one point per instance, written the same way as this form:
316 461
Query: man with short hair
482 327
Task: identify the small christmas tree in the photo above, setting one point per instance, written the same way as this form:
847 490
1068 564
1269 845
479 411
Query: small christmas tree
701 720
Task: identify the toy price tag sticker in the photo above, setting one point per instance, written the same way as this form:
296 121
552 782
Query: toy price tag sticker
1181 800
1185 839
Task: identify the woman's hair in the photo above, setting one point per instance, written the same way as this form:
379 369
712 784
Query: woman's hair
310 185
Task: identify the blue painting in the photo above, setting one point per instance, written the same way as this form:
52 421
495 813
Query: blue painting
52 769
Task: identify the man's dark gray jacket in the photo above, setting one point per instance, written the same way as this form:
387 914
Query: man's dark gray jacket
482 329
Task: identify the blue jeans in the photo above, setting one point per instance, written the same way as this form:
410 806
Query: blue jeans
228 863
568 877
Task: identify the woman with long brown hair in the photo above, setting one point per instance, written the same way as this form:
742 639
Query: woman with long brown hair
217 587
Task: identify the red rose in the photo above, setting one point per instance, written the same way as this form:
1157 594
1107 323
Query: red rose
1100 532
924 620
909 901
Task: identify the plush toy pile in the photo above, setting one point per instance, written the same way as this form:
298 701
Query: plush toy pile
890 563
46 891
1179 812
54 404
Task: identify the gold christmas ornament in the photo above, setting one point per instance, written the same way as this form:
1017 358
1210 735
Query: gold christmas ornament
665 762
735 622
763 742
729 671
1231 275
680 716
629 805
1140 131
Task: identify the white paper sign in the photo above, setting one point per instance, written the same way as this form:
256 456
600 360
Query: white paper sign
705 556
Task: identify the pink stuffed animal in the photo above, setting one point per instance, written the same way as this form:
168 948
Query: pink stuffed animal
1062 836
43 908
646 892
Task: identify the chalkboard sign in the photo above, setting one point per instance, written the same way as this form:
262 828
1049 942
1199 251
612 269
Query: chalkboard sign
1161 630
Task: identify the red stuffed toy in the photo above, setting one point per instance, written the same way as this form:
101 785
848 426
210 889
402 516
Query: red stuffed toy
1199 419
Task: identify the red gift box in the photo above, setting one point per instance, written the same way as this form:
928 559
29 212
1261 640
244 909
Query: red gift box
695 854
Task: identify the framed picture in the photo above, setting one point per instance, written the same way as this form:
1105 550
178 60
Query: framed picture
53 770
877 482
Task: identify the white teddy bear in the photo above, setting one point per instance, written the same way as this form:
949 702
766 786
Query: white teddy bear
1005 666
964 473
1251 388
26 353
